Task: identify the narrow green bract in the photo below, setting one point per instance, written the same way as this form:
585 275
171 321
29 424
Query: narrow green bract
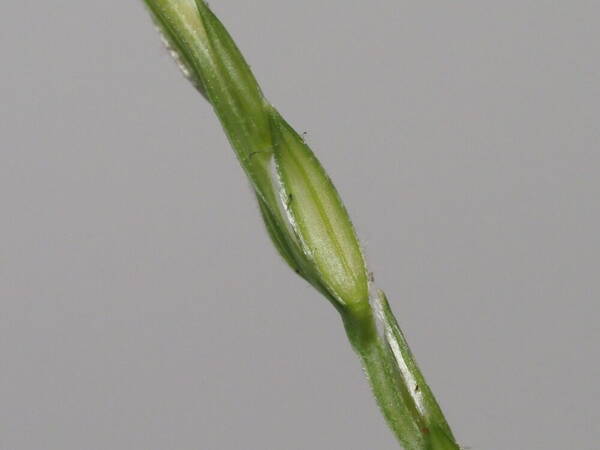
319 218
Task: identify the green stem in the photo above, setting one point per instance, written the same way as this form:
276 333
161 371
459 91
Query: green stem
305 216
398 385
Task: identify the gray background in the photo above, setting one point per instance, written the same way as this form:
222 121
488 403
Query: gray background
142 306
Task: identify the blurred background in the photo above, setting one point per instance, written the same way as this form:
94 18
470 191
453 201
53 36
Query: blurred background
142 305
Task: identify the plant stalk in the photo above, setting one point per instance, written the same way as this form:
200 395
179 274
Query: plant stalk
304 215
